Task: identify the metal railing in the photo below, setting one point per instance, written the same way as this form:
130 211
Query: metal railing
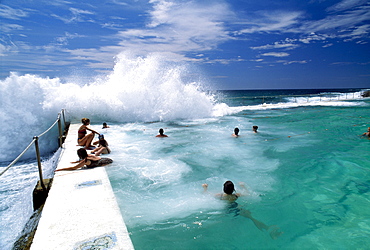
35 141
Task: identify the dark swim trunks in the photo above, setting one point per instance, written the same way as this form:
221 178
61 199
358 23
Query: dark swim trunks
101 162
233 208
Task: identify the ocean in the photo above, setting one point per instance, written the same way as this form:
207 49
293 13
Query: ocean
307 170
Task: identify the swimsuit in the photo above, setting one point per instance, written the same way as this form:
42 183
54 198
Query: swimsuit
83 132
101 162
233 206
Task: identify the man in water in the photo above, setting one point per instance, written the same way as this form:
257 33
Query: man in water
231 196
236 132
254 128
367 133
161 133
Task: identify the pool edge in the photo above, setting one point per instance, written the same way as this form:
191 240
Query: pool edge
81 209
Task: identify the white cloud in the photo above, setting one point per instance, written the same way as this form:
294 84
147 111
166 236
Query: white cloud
299 62
224 61
344 25
276 45
10 13
161 12
356 33
276 54
179 27
63 40
272 22
6 28
77 15
77 12
314 37
333 23
346 4
327 45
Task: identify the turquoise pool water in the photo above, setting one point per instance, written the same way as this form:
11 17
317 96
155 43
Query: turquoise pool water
307 172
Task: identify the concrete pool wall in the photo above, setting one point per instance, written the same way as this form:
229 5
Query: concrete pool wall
81 211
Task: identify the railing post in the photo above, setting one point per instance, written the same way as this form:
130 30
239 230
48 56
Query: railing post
36 138
60 132
64 118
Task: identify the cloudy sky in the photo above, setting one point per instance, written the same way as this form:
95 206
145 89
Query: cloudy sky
236 44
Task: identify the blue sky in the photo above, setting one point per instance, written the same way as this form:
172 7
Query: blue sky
236 44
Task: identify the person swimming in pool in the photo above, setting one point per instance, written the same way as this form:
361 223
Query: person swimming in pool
161 133
236 132
231 196
85 139
88 161
255 128
367 133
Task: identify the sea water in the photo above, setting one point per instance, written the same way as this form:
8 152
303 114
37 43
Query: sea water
306 170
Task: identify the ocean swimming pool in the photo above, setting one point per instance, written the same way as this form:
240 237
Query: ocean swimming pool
307 169
307 172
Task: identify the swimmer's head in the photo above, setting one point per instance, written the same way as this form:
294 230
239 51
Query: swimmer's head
82 153
229 187
161 131
85 121
236 131
255 128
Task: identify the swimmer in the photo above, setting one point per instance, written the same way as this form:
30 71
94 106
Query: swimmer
231 196
88 160
236 132
102 148
105 125
367 133
161 133
101 137
85 139
254 128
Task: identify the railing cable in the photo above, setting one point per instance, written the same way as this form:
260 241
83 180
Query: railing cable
35 141
16 159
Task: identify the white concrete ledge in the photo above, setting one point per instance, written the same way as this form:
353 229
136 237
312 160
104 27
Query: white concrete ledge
81 211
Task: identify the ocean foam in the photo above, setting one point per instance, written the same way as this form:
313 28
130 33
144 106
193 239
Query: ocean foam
138 89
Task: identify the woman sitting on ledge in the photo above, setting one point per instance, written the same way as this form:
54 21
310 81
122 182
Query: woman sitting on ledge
102 148
85 139
88 160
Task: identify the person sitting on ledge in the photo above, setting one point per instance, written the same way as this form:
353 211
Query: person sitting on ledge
85 139
102 148
161 133
88 161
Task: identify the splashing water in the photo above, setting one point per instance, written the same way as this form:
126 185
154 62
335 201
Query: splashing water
138 89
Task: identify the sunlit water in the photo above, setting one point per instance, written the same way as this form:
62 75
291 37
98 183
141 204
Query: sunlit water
307 169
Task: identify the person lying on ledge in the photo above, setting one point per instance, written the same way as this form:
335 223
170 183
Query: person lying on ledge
88 161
